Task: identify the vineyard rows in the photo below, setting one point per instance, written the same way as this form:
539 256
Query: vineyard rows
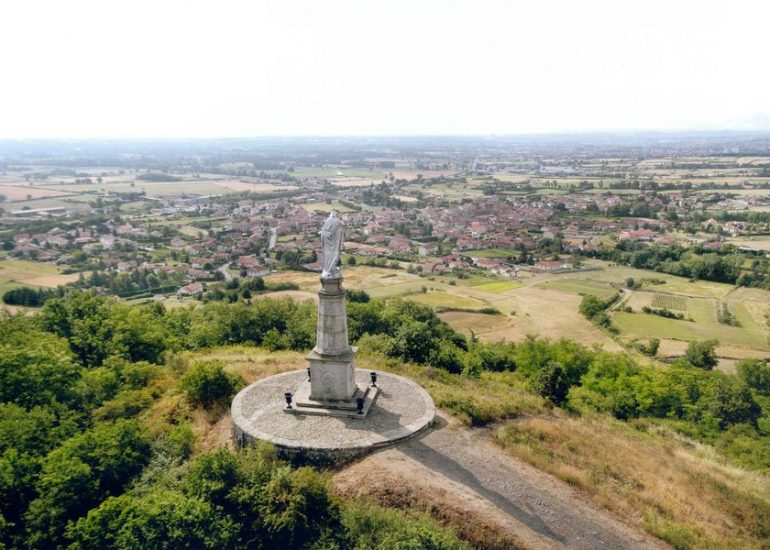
668 301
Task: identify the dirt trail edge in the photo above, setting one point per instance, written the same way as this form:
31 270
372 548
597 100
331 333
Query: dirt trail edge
465 479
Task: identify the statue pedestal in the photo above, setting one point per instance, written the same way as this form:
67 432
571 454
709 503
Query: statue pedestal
332 388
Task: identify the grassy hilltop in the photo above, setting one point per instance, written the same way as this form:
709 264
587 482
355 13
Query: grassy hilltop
126 407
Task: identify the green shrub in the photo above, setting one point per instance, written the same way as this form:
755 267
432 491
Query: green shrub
207 384
371 527
702 354
552 383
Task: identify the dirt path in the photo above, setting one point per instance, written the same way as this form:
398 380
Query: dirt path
463 478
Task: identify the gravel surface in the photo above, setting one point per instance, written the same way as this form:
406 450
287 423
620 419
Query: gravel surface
402 409
540 510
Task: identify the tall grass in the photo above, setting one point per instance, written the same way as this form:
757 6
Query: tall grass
649 478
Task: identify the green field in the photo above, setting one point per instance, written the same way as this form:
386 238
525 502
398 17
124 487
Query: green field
598 289
446 300
673 285
498 287
385 290
704 324
18 273
493 253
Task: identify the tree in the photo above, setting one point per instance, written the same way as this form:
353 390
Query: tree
79 474
729 401
159 519
36 368
702 354
412 342
756 375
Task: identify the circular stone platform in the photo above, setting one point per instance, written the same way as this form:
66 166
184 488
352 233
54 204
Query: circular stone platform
402 410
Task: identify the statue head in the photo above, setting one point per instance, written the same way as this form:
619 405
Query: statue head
333 213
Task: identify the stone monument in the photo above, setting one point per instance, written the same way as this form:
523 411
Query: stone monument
328 411
331 387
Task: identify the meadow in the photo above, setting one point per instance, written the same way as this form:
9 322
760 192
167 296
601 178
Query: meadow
16 273
521 305
704 324
440 299
547 305
582 287
499 286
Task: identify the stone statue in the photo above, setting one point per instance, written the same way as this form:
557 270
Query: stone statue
331 245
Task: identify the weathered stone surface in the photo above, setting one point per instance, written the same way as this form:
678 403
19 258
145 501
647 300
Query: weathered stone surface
332 328
332 378
332 360
403 409
305 404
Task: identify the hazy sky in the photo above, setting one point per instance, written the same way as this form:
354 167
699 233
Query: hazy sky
175 68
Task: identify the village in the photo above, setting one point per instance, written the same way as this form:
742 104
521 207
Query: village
190 243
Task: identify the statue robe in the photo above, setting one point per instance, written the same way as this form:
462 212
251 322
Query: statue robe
331 244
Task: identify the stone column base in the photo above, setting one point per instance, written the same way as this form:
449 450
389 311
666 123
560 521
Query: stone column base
303 403
332 377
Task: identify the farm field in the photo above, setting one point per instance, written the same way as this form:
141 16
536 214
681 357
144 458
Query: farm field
612 273
339 172
405 198
325 207
521 305
580 286
757 243
750 295
237 185
20 193
165 188
450 191
499 287
480 323
447 300
71 202
704 325
669 301
385 281
16 273
493 253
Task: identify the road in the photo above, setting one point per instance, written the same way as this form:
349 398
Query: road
466 478
225 270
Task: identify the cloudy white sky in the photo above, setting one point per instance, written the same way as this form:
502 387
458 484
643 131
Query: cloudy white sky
187 68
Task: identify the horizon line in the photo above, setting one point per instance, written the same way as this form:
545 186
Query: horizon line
489 135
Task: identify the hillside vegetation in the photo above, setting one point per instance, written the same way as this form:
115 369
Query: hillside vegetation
110 417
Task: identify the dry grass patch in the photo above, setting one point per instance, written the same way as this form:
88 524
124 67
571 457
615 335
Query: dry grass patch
479 323
356 278
52 281
492 397
20 193
237 185
475 520
678 491
213 428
